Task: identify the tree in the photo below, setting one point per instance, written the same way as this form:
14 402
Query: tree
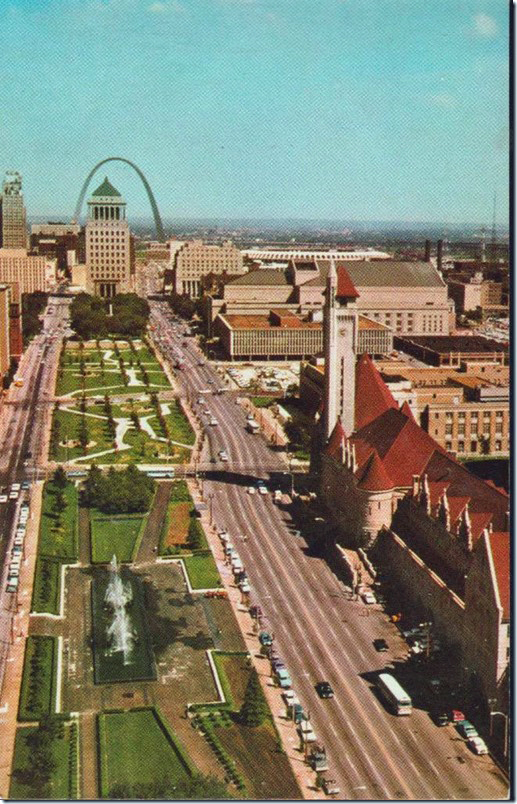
82 433
59 478
194 534
254 709
192 788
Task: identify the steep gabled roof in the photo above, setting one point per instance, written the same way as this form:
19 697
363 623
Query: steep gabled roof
372 397
345 287
406 410
500 547
373 476
334 447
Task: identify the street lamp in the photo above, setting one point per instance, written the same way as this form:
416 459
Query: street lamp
211 499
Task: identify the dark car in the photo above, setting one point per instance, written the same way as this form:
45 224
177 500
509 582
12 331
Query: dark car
380 645
324 689
440 717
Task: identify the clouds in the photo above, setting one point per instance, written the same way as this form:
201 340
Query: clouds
485 26
444 100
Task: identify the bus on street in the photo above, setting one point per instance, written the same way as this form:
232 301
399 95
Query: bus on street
395 696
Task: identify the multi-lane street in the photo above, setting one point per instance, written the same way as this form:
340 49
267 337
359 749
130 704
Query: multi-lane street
22 429
320 632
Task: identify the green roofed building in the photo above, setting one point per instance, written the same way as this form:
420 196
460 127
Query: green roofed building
109 246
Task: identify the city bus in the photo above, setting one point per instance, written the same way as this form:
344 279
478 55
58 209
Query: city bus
395 696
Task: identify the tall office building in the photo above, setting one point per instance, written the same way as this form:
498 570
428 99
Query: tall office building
109 253
13 223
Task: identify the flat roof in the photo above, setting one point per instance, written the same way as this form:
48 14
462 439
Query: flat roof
455 343
241 321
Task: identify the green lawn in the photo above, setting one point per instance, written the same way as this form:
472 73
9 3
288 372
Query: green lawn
117 535
202 571
62 784
136 747
179 426
38 681
59 538
47 585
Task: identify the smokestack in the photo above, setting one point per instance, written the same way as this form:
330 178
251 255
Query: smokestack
439 254
427 256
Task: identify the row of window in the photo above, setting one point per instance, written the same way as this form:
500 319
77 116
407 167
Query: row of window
474 446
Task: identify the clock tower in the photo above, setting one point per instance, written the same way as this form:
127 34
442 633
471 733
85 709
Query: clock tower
340 345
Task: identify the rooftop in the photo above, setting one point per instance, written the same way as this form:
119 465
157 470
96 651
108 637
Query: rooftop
288 321
444 344
382 273
262 276
106 189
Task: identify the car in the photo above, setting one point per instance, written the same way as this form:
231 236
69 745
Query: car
477 745
16 486
3 498
380 645
13 572
265 638
283 678
277 664
250 417
277 496
16 551
251 489
18 541
213 422
368 597
439 717
11 587
467 729
26 485
261 487
324 689
13 495
457 716
200 401
223 456
306 732
245 587
289 696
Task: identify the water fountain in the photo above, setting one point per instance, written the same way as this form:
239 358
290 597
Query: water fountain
119 632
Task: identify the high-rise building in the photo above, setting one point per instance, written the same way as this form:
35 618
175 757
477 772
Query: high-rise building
195 260
109 250
31 273
13 223
5 352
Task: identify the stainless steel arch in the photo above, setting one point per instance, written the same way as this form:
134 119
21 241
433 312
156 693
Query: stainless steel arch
160 234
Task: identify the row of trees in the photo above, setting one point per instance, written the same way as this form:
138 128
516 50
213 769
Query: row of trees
33 305
91 318
118 492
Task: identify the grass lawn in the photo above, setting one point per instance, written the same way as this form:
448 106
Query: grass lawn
115 535
61 784
38 681
202 571
47 585
262 401
137 748
179 426
59 541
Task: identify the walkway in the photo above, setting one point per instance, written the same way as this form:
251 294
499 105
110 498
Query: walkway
148 549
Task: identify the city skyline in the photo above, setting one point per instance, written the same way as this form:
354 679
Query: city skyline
226 103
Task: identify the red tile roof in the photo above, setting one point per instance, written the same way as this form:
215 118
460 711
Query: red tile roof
345 287
334 447
406 410
500 546
372 397
374 476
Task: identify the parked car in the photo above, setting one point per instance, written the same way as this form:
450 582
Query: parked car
261 487
477 745
289 696
324 689
3 498
368 596
223 456
439 717
251 489
380 645
306 732
467 729
457 716
283 678
265 638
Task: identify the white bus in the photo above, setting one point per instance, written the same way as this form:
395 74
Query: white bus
395 696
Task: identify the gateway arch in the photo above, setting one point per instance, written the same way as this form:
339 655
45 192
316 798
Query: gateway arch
160 234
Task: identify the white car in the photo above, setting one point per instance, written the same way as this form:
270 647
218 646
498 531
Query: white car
213 422
251 489
250 417
262 489
3 498
13 495
290 696
223 456
306 732
478 745
368 597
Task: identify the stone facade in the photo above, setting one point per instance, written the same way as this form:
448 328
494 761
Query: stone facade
194 260
31 273
109 247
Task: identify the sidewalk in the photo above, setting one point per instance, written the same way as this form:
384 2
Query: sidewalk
14 666
305 776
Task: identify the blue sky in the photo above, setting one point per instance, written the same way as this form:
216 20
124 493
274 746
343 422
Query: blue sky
337 109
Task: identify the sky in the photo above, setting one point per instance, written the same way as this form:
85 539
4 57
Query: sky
313 109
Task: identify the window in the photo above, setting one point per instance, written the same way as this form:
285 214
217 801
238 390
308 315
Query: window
448 429
448 415
436 415
473 446
499 414
461 446
461 415
461 428
498 446
499 427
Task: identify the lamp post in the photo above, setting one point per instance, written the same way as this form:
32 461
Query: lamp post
211 499
505 743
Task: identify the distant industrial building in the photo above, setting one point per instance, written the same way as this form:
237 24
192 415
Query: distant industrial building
13 220
194 260
109 245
